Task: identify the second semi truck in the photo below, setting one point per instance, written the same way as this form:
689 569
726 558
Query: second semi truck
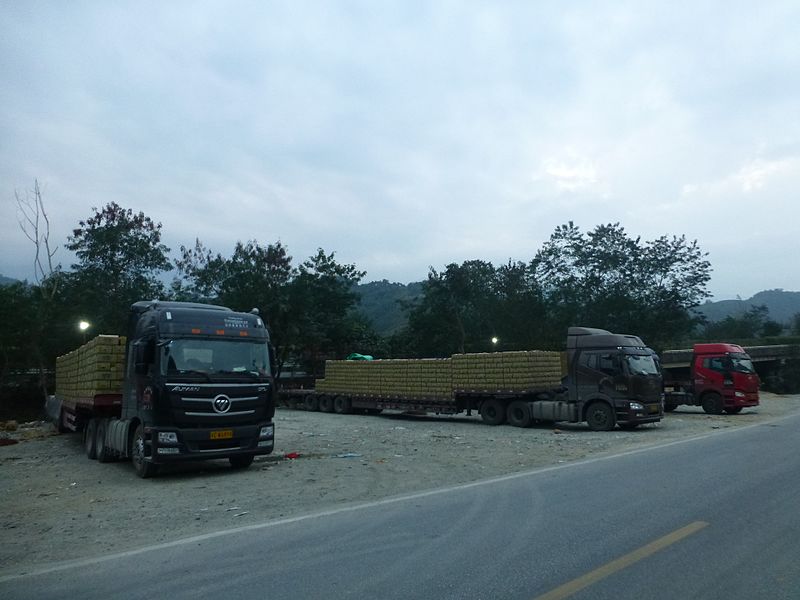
605 380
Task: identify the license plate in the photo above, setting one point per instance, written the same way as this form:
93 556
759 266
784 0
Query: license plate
652 409
222 434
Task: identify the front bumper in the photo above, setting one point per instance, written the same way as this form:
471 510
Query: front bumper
175 445
745 400
651 413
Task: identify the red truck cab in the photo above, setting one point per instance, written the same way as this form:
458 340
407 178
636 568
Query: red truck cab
720 378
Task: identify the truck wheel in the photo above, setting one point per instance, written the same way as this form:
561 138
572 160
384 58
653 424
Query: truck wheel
143 468
311 402
241 461
325 403
669 407
734 410
518 414
103 452
493 412
90 439
342 405
712 404
600 417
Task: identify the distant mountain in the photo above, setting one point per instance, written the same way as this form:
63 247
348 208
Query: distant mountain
782 306
381 302
7 280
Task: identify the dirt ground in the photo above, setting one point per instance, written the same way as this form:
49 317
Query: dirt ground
56 505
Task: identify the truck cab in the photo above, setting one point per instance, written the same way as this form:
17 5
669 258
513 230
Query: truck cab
612 378
720 378
198 385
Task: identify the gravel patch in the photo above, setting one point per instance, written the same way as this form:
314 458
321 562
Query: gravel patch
57 505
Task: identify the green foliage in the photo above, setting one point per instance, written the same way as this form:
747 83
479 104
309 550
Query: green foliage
120 256
753 324
309 309
609 280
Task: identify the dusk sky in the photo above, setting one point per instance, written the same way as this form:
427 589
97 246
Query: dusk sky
404 135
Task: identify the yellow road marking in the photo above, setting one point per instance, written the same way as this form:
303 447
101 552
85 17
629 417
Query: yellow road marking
574 586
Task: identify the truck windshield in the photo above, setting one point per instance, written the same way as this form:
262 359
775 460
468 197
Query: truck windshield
214 357
641 365
742 363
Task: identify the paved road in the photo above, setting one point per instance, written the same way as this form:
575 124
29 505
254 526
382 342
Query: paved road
717 517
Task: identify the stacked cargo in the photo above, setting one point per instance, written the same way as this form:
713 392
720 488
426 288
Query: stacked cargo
440 378
507 371
425 378
429 378
94 368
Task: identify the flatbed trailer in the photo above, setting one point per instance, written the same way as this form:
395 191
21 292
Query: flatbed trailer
606 380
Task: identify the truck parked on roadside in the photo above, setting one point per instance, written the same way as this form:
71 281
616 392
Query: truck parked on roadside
718 377
190 382
604 379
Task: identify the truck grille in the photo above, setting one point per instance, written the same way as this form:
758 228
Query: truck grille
217 404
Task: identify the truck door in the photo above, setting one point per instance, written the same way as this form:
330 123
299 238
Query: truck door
710 373
596 372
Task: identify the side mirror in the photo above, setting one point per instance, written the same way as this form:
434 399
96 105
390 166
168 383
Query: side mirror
143 357
273 360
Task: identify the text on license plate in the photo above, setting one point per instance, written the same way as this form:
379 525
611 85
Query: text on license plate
221 434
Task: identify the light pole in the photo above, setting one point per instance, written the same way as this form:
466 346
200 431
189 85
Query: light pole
83 326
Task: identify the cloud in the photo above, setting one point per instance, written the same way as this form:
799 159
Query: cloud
409 134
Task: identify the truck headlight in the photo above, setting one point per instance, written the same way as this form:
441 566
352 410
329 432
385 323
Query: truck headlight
740 394
636 406
267 431
167 437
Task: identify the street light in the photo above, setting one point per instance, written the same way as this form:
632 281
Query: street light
495 340
83 326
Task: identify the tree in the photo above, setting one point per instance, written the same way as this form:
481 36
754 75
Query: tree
607 279
322 322
255 276
309 310
457 311
752 324
38 306
120 257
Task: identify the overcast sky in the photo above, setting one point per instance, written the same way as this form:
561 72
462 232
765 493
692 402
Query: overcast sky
404 135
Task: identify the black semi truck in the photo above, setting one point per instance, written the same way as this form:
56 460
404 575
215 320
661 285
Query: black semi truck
193 382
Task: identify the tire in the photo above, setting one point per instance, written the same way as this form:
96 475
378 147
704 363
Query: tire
326 403
600 417
342 405
311 402
143 468
669 407
241 461
90 439
104 454
518 414
734 410
712 404
493 412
